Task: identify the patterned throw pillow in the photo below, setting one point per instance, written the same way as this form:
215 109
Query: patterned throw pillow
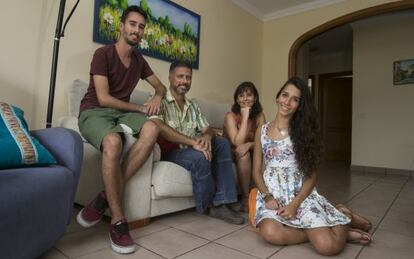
17 147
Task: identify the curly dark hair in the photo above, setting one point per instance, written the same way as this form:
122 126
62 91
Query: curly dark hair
304 129
245 87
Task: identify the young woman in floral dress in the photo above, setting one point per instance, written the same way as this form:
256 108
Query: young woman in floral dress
287 208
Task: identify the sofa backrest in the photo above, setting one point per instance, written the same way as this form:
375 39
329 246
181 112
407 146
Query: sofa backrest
213 111
77 90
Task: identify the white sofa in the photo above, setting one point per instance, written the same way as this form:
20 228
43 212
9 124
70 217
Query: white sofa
159 187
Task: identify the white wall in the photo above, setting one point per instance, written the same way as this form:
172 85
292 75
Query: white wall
21 36
230 52
382 124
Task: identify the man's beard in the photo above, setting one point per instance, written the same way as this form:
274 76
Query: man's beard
182 89
131 42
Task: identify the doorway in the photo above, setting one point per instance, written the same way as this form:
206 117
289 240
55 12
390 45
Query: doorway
335 111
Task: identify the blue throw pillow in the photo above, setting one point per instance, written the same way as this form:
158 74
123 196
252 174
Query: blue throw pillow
17 147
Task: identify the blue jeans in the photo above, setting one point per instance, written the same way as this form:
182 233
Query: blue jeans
213 182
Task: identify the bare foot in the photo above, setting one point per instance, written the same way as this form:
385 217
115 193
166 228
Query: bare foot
360 222
359 236
357 221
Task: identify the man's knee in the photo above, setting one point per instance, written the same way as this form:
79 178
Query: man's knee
149 129
112 144
221 144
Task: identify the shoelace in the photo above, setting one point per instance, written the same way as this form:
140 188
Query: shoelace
121 228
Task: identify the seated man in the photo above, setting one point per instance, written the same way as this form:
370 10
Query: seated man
115 71
206 156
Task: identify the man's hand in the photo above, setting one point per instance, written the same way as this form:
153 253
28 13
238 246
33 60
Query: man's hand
153 106
205 142
206 152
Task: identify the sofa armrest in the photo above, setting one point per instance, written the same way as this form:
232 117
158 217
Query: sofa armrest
67 148
64 144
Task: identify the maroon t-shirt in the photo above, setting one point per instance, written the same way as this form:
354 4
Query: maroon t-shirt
122 80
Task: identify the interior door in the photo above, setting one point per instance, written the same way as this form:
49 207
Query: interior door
336 116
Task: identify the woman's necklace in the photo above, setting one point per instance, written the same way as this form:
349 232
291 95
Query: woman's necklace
283 132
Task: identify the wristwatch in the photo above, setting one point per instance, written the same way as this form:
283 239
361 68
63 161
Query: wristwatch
264 195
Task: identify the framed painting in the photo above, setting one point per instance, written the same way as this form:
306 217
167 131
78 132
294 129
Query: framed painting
172 32
404 72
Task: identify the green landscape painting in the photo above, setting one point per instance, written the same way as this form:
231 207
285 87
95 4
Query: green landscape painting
172 32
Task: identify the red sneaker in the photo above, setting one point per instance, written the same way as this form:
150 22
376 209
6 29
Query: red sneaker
121 241
93 212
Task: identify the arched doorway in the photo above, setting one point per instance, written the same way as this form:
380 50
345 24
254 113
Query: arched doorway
352 17
337 137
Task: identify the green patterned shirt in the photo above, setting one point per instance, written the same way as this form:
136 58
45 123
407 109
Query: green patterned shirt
189 122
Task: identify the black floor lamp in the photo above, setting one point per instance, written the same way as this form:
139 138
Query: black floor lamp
58 34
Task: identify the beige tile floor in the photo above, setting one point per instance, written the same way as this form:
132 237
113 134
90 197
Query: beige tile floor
387 200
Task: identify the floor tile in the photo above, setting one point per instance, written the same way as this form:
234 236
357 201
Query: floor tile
369 207
299 251
175 219
389 245
402 208
149 229
52 254
394 179
209 228
248 242
215 251
84 242
397 226
171 242
107 253
397 215
351 250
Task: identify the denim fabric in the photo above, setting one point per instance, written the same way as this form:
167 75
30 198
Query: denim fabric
213 182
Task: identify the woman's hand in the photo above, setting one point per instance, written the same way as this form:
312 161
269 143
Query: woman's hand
245 111
271 203
242 149
288 212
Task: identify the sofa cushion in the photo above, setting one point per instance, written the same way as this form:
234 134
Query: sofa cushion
19 148
170 180
76 91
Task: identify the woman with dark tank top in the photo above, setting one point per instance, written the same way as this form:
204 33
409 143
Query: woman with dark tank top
239 128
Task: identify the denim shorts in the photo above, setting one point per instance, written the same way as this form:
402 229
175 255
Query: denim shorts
94 124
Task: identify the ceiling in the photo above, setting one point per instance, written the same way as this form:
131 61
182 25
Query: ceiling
266 10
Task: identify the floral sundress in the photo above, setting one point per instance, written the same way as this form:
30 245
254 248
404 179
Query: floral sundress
284 180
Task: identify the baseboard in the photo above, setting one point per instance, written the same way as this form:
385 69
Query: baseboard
138 223
382 170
